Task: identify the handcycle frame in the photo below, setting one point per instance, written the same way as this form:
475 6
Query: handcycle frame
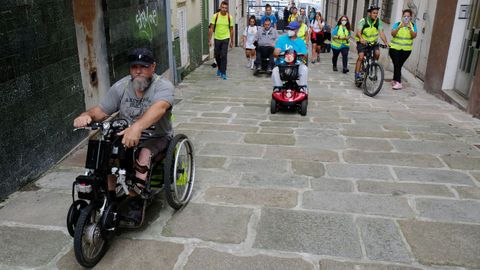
93 217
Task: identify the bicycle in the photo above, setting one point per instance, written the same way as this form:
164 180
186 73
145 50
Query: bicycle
372 72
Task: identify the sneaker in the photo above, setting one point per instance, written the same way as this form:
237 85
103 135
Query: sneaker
393 82
219 73
224 76
269 70
277 89
335 68
397 86
345 70
135 209
313 61
304 89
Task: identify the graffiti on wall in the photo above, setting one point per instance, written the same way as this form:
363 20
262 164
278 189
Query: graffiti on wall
147 21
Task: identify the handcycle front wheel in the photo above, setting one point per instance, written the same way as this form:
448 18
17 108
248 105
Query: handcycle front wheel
179 169
373 79
88 242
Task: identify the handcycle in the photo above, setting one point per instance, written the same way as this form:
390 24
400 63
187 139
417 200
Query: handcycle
94 216
372 72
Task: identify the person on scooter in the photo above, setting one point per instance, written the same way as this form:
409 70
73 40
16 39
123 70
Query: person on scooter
286 42
369 29
266 37
143 99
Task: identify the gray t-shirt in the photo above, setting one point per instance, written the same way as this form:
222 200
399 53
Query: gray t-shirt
121 96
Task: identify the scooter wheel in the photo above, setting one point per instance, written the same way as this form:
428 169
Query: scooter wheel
303 107
273 106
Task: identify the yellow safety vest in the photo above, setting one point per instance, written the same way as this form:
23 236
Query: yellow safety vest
369 33
292 18
342 33
302 32
403 40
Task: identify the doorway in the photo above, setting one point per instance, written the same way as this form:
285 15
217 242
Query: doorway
470 50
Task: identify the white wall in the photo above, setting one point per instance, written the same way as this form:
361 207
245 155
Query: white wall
455 48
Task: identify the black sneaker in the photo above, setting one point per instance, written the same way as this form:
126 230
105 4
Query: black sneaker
135 210
345 70
335 68
269 70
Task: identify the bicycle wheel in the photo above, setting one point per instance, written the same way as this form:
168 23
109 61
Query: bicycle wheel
88 243
373 80
179 171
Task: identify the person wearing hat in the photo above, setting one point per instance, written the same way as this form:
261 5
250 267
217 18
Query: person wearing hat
369 29
145 100
289 42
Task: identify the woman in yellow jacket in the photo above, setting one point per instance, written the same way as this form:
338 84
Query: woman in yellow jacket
303 32
401 45
341 42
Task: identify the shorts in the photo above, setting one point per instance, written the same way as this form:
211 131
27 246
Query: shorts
155 145
317 38
249 49
361 47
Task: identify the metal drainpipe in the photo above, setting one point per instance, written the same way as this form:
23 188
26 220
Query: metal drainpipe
171 63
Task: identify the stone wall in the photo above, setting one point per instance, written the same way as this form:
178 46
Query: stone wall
40 86
130 25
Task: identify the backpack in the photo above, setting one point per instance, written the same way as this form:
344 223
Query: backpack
216 18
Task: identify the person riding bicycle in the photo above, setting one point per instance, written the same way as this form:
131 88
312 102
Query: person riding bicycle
369 29
266 37
287 42
143 98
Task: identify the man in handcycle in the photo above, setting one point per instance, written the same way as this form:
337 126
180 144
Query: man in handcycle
144 99
266 37
368 30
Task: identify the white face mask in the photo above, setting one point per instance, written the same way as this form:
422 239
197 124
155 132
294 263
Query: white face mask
291 33
344 22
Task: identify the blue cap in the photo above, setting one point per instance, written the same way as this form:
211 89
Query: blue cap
293 25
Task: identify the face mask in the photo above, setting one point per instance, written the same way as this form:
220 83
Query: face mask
406 19
291 33
267 28
344 22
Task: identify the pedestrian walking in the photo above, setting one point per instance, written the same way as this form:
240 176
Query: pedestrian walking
248 39
341 42
303 32
286 15
222 25
293 15
270 15
316 29
401 45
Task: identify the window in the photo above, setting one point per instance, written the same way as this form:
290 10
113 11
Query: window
386 10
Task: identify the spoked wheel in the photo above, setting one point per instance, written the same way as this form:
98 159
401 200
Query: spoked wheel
74 214
273 106
179 171
303 107
88 243
373 80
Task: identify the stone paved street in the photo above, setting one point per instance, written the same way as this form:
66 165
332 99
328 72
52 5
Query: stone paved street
391 182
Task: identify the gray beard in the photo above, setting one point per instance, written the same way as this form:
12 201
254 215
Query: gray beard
140 83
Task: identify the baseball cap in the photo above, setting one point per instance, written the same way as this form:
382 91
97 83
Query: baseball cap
141 56
293 25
